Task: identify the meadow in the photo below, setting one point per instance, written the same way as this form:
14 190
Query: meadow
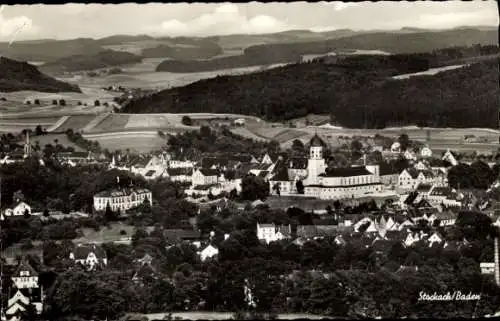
75 123
142 142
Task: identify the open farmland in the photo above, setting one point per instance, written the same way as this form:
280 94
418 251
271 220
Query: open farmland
147 121
288 134
15 125
244 132
76 123
142 142
113 122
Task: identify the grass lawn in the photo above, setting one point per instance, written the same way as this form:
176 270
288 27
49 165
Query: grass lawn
106 234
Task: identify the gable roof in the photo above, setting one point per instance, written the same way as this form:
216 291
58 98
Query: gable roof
25 266
346 172
179 171
208 172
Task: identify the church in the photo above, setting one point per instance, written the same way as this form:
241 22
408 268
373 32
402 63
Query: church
323 183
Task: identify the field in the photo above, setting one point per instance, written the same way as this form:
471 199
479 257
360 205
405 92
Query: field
114 122
160 121
244 132
75 123
143 142
288 135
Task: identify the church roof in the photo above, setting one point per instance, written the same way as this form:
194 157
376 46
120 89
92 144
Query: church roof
316 141
346 172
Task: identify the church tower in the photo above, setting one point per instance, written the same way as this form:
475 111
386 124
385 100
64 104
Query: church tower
316 163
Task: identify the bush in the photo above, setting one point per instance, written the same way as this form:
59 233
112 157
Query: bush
186 120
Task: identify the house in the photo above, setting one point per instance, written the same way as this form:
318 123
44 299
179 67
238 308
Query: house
270 158
443 195
179 174
411 238
175 236
425 152
239 122
27 290
450 157
122 199
271 232
396 148
446 218
20 209
89 255
281 183
487 267
410 155
205 176
411 177
177 163
435 238
208 252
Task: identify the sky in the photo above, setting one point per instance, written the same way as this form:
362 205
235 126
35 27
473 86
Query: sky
68 21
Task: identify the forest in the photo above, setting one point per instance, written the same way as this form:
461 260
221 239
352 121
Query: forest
103 59
289 52
360 96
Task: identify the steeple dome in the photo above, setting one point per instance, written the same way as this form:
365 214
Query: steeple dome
316 141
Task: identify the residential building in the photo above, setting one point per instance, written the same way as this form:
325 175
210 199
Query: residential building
20 209
208 252
27 290
271 232
450 157
487 267
89 255
425 152
205 176
122 199
179 174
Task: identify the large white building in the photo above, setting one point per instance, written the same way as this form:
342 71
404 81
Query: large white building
323 183
122 199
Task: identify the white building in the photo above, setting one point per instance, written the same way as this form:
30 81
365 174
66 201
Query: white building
205 176
175 163
89 256
20 209
271 232
208 252
122 199
425 152
450 157
26 290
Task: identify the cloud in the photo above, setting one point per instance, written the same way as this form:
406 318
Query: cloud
225 19
10 28
459 18
339 5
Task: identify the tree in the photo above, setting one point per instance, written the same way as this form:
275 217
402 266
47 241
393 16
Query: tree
109 215
404 141
46 213
186 120
298 146
62 102
38 130
300 187
253 188
54 102
97 103
37 102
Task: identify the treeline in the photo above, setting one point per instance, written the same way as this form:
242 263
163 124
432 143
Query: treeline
83 143
478 175
356 98
103 59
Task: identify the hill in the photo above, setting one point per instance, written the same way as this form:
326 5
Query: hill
120 39
183 49
394 42
103 59
49 50
16 76
357 92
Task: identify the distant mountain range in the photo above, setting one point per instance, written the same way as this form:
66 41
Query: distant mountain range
17 76
190 48
103 59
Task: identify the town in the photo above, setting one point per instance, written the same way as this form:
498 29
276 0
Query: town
177 216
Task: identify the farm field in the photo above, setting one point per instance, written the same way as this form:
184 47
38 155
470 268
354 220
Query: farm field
75 123
114 122
244 132
142 142
106 234
288 135
160 121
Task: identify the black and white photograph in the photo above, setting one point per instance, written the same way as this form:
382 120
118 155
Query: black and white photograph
246 161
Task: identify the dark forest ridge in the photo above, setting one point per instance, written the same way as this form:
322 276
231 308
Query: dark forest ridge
16 76
356 91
